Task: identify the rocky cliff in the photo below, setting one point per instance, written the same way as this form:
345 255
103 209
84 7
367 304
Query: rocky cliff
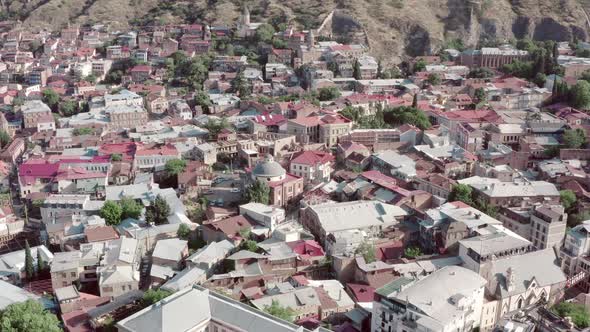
392 28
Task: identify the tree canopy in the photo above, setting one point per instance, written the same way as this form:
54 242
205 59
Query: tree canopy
461 192
158 212
183 232
215 126
574 138
328 93
111 212
82 131
568 198
51 98
404 114
275 309
580 95
264 33
29 266
412 252
28 316
367 250
130 208
580 316
258 192
434 79
4 138
175 166
152 296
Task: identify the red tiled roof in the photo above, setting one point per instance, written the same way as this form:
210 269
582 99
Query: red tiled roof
141 68
231 226
307 248
288 178
165 150
312 158
361 293
99 234
269 119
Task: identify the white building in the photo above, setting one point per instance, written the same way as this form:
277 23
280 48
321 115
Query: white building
450 299
266 215
313 166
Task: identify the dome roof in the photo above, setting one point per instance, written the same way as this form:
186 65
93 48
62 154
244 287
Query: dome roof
268 168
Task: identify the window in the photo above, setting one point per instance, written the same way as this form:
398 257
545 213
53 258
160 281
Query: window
73 274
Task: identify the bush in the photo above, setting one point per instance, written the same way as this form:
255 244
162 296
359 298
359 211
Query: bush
577 312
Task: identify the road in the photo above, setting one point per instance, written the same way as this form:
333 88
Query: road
223 190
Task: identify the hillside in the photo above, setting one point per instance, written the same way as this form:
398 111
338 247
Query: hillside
392 28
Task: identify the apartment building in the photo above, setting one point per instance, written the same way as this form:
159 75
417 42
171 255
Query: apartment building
450 299
32 111
313 166
543 225
492 57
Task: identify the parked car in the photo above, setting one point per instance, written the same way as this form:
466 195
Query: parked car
234 190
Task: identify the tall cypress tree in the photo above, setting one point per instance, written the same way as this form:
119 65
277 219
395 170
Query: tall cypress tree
41 265
29 267
415 101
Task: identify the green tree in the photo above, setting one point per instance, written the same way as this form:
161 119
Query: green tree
367 250
404 114
114 76
175 166
481 72
28 316
51 98
580 95
82 131
574 138
183 232
214 126
568 198
351 113
264 33
158 212
284 313
4 138
433 79
250 245
153 296
461 192
480 96
111 212
29 266
202 99
68 108
116 157
90 78
258 192
523 69
356 70
130 208
328 93
415 100
585 76
412 252
540 79
241 86
579 314
41 264
420 65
